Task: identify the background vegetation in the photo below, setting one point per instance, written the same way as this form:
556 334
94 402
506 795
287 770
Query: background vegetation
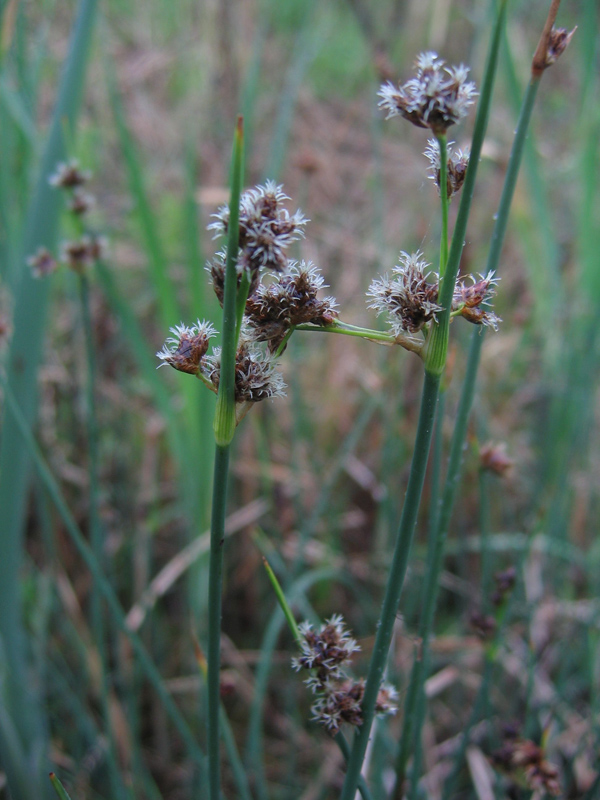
327 466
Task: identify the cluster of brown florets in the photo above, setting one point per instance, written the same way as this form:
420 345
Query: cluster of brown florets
81 253
485 625
267 228
436 97
458 161
338 697
525 763
282 294
410 297
290 299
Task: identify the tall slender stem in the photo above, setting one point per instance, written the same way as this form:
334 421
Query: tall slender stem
395 580
96 538
431 586
224 427
442 140
214 606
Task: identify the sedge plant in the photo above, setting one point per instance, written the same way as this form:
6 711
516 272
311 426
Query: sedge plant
266 297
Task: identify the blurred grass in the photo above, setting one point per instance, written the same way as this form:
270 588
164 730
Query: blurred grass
158 135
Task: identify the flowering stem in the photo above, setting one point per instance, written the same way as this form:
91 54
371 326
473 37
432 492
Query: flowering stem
430 588
293 626
224 427
395 580
415 345
362 333
224 423
443 145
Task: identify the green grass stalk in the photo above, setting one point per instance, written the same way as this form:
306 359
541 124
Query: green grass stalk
435 360
59 788
96 537
31 300
113 605
395 579
431 586
442 140
224 427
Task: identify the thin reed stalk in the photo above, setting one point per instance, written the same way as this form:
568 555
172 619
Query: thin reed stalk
31 300
145 662
435 360
395 580
96 537
224 427
435 558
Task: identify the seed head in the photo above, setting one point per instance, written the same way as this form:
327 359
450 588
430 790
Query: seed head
339 698
69 175
325 650
42 263
458 161
216 270
468 299
185 350
256 376
81 202
339 704
437 97
291 299
484 625
505 583
525 762
81 254
493 458
266 227
551 46
407 298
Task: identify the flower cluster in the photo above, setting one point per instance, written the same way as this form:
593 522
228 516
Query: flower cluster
290 300
256 376
408 299
339 698
525 763
275 304
266 228
458 161
505 583
185 351
82 253
551 48
494 458
437 97
470 298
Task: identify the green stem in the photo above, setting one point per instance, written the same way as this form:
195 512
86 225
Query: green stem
242 296
442 140
485 530
224 423
96 537
431 586
214 610
224 427
414 344
363 333
345 749
395 580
